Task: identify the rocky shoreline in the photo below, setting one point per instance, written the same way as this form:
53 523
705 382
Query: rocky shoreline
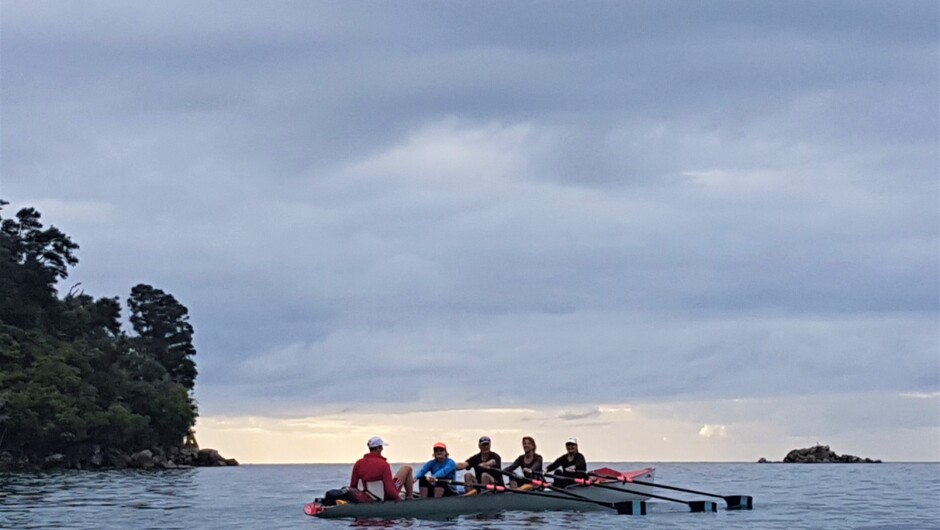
819 454
94 458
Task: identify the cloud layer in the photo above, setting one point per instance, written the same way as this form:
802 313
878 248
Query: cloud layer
497 204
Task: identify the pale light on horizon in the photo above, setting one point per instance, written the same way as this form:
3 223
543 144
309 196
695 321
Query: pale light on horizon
652 432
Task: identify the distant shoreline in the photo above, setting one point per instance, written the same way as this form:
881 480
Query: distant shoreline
98 459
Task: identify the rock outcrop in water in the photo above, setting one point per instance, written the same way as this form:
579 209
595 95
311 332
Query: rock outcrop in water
820 454
96 458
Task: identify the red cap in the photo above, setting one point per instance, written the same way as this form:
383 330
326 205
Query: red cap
440 445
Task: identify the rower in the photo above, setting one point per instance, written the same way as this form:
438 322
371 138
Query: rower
482 465
571 464
440 467
529 461
373 474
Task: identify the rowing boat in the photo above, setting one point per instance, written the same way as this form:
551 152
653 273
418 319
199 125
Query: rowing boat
447 507
486 503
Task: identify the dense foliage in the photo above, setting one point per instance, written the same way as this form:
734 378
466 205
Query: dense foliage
70 376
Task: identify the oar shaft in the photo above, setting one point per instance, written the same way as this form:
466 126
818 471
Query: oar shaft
622 507
502 489
542 483
508 474
674 488
587 482
734 501
630 508
626 480
566 494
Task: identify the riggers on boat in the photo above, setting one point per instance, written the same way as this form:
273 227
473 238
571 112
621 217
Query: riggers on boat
509 500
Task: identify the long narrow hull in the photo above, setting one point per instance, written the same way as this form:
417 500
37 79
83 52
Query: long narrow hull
490 503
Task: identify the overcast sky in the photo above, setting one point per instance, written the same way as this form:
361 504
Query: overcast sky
564 208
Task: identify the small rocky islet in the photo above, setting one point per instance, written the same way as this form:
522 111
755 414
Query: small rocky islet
819 454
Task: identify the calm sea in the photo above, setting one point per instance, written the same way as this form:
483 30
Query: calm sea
269 497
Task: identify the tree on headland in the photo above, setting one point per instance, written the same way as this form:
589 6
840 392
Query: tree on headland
164 332
31 261
70 377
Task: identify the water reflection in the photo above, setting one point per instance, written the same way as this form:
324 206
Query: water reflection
533 520
377 523
271 497
72 499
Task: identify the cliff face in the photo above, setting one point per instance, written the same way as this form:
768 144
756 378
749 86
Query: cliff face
821 454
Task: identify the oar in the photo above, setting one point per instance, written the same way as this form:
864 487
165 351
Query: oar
549 485
537 482
695 506
735 502
623 507
508 474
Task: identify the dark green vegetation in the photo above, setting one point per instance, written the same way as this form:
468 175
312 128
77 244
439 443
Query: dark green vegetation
73 383
820 454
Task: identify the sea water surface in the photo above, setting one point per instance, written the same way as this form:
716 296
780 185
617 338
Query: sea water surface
821 496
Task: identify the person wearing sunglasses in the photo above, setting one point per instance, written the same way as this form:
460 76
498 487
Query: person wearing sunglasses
440 467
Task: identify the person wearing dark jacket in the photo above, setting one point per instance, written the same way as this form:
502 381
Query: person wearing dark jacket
485 465
570 464
529 461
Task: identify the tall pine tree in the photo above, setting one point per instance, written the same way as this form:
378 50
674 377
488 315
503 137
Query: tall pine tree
164 332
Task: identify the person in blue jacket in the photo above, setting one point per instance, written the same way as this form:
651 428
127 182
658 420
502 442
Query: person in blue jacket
439 467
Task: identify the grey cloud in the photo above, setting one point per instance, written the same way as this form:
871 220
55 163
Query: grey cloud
573 416
687 200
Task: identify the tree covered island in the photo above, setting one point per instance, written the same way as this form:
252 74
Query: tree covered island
76 389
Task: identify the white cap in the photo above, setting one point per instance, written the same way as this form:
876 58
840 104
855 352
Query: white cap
375 441
571 440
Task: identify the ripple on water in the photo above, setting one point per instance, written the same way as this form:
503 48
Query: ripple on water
271 497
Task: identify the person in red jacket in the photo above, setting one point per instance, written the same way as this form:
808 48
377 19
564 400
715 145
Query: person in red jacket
373 467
